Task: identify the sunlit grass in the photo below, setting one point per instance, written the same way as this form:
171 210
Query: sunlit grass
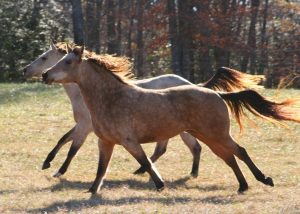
33 117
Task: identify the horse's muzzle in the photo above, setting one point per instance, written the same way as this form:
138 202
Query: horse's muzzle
24 71
45 77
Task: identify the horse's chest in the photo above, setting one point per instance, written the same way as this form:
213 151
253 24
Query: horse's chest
106 129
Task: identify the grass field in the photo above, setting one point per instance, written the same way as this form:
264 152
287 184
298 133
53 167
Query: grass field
33 117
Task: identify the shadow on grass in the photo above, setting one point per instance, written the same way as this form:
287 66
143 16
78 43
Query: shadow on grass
20 92
132 184
98 200
4 192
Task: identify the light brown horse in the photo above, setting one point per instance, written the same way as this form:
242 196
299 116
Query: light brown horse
125 114
224 79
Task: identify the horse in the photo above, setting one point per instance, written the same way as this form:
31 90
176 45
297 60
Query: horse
125 114
225 79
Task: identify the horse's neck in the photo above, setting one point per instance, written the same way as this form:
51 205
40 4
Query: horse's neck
79 107
97 87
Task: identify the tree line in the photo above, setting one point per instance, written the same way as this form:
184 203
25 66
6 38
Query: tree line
190 38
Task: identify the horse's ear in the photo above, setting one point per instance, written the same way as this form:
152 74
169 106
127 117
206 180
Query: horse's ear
52 45
82 50
78 51
69 49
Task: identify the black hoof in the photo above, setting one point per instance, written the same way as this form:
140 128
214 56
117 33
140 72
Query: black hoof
93 190
269 181
243 188
139 171
160 187
46 165
194 174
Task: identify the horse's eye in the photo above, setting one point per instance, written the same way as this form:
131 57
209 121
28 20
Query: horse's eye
68 62
44 58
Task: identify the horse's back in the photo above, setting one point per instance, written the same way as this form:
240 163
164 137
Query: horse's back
161 82
182 108
201 108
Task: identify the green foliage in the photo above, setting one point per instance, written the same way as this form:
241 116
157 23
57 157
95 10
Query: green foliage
26 27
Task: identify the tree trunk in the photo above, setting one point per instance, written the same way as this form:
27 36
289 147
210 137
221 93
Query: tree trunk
139 40
173 36
97 25
119 26
184 37
204 62
263 62
90 24
221 51
77 18
112 47
251 44
130 12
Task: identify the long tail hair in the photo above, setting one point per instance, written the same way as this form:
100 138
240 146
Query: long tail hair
227 79
259 106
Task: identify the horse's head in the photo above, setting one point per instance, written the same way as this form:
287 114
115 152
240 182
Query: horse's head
44 61
65 70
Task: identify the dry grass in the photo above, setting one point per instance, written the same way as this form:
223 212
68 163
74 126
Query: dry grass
33 117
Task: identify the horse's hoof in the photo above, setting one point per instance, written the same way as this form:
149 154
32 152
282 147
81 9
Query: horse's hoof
243 188
57 175
194 174
269 181
139 171
160 187
46 165
92 190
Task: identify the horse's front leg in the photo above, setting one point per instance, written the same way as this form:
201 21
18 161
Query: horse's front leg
160 149
136 150
105 152
76 145
62 141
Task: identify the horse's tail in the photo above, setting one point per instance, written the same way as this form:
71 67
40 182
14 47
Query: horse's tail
259 106
227 79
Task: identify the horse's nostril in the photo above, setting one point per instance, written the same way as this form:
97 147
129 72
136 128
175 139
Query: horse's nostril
45 75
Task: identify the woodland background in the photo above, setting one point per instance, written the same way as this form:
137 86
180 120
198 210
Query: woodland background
190 38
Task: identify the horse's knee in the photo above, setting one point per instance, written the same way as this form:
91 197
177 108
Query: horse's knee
197 149
162 150
243 153
73 150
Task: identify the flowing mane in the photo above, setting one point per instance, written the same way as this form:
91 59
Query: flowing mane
118 66
63 46
111 63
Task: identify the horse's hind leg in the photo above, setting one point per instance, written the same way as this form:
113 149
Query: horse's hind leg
229 159
78 140
242 154
62 141
195 149
160 149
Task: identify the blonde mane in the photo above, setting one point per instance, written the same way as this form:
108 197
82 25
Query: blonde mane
119 66
63 46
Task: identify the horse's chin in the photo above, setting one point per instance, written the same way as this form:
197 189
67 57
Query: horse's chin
28 76
48 81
